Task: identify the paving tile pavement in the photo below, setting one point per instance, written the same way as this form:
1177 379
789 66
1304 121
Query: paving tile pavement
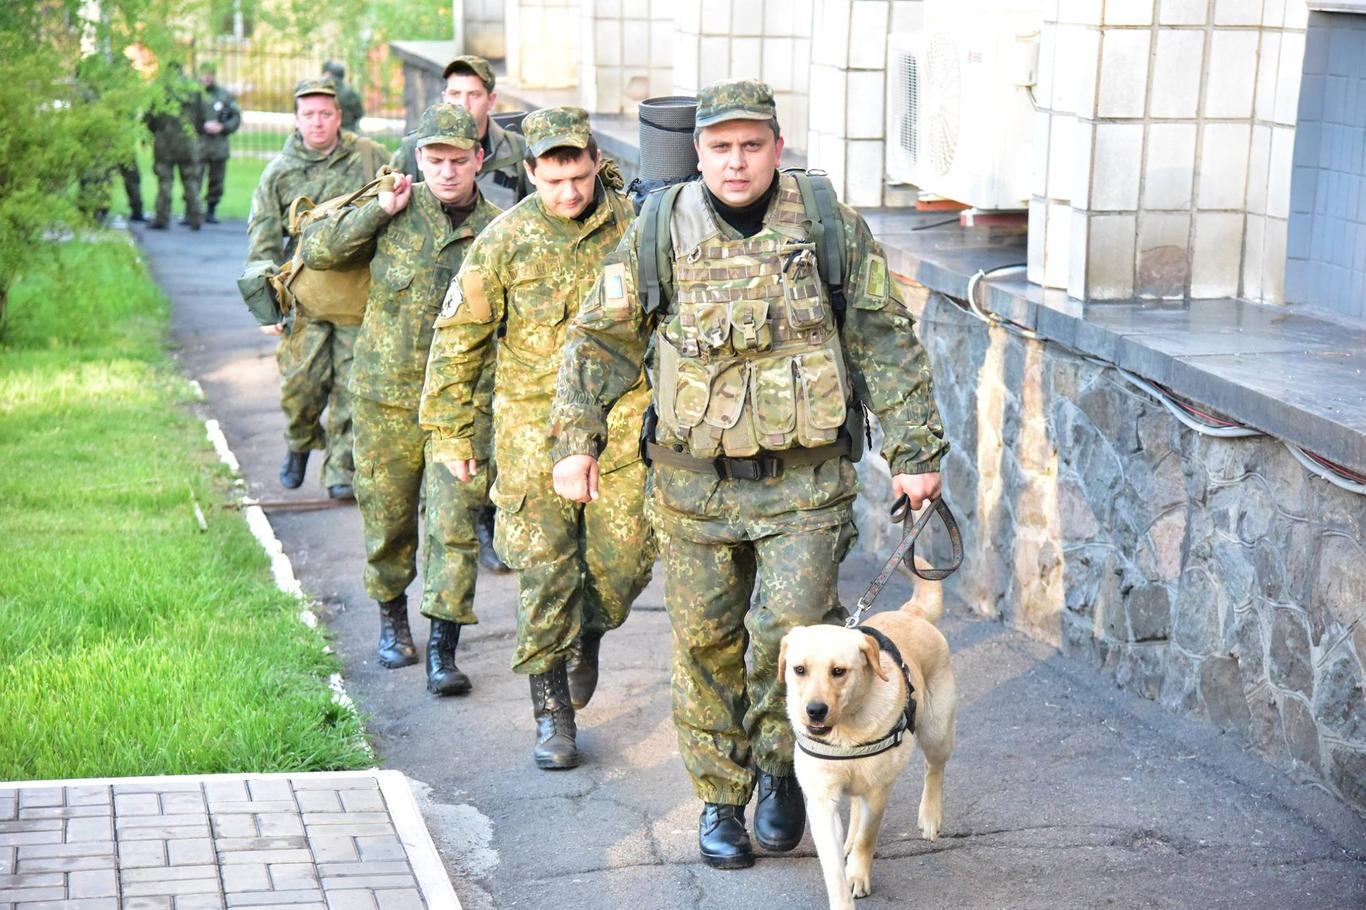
328 841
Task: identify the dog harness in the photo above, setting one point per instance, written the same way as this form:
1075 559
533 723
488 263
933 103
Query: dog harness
905 721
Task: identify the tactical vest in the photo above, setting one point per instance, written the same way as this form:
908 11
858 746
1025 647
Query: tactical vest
748 356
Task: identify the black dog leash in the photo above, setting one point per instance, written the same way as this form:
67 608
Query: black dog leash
905 551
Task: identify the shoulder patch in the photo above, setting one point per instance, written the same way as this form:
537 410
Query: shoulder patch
615 300
875 281
465 301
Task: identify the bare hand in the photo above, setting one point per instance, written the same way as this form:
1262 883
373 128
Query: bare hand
463 470
397 201
576 478
213 127
919 488
277 329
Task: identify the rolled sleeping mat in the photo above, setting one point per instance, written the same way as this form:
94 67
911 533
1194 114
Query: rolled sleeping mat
666 149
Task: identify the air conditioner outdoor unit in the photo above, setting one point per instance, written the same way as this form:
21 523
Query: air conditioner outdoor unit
960 111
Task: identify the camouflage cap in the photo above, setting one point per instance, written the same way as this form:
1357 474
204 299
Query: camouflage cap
208 68
734 99
315 85
551 127
447 124
478 65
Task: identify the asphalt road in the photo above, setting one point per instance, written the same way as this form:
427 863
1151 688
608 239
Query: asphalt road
1063 791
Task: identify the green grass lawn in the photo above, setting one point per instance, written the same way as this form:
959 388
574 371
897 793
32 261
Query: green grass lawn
132 642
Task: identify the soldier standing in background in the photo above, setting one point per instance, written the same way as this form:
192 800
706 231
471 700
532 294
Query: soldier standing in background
579 567
469 82
320 160
414 239
759 373
351 107
176 120
222 120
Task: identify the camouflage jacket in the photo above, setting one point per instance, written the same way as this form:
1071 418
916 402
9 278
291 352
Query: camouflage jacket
528 272
220 106
891 373
502 173
413 256
176 122
300 171
348 99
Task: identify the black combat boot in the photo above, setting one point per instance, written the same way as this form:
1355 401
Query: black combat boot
341 491
443 676
292 469
582 669
779 812
483 530
396 648
210 217
555 729
137 216
721 837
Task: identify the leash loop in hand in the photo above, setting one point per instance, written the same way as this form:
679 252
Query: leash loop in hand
905 551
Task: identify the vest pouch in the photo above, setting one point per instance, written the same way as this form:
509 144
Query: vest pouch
670 382
749 328
727 413
713 325
823 397
692 394
773 398
801 282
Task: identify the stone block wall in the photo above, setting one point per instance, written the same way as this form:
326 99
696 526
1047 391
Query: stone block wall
485 28
1213 575
542 43
1162 147
627 53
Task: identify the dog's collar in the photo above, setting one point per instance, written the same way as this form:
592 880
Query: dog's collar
905 721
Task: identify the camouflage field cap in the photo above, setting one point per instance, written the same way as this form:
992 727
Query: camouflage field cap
208 68
734 99
447 124
315 85
551 127
478 65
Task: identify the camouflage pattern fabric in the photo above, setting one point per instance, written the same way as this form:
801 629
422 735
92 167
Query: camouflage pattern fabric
530 269
413 256
502 179
553 127
579 568
351 107
729 706
314 358
221 106
735 99
722 538
395 479
191 173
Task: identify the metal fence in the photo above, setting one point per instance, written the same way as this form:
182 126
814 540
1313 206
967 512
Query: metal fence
263 80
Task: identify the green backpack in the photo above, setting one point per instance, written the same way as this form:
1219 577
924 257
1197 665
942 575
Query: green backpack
655 273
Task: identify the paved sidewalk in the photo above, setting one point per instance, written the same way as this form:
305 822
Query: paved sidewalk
1063 791
329 841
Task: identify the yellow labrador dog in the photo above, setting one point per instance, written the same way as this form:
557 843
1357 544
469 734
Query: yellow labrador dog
853 718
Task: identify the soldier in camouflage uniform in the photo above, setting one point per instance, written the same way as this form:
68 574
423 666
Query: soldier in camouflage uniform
414 239
347 97
176 120
579 566
751 486
469 82
223 118
320 161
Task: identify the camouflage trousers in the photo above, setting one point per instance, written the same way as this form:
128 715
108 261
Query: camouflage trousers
315 371
189 185
393 472
739 572
579 568
215 170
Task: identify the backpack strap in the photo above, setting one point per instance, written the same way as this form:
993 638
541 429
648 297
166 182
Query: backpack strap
654 251
822 213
